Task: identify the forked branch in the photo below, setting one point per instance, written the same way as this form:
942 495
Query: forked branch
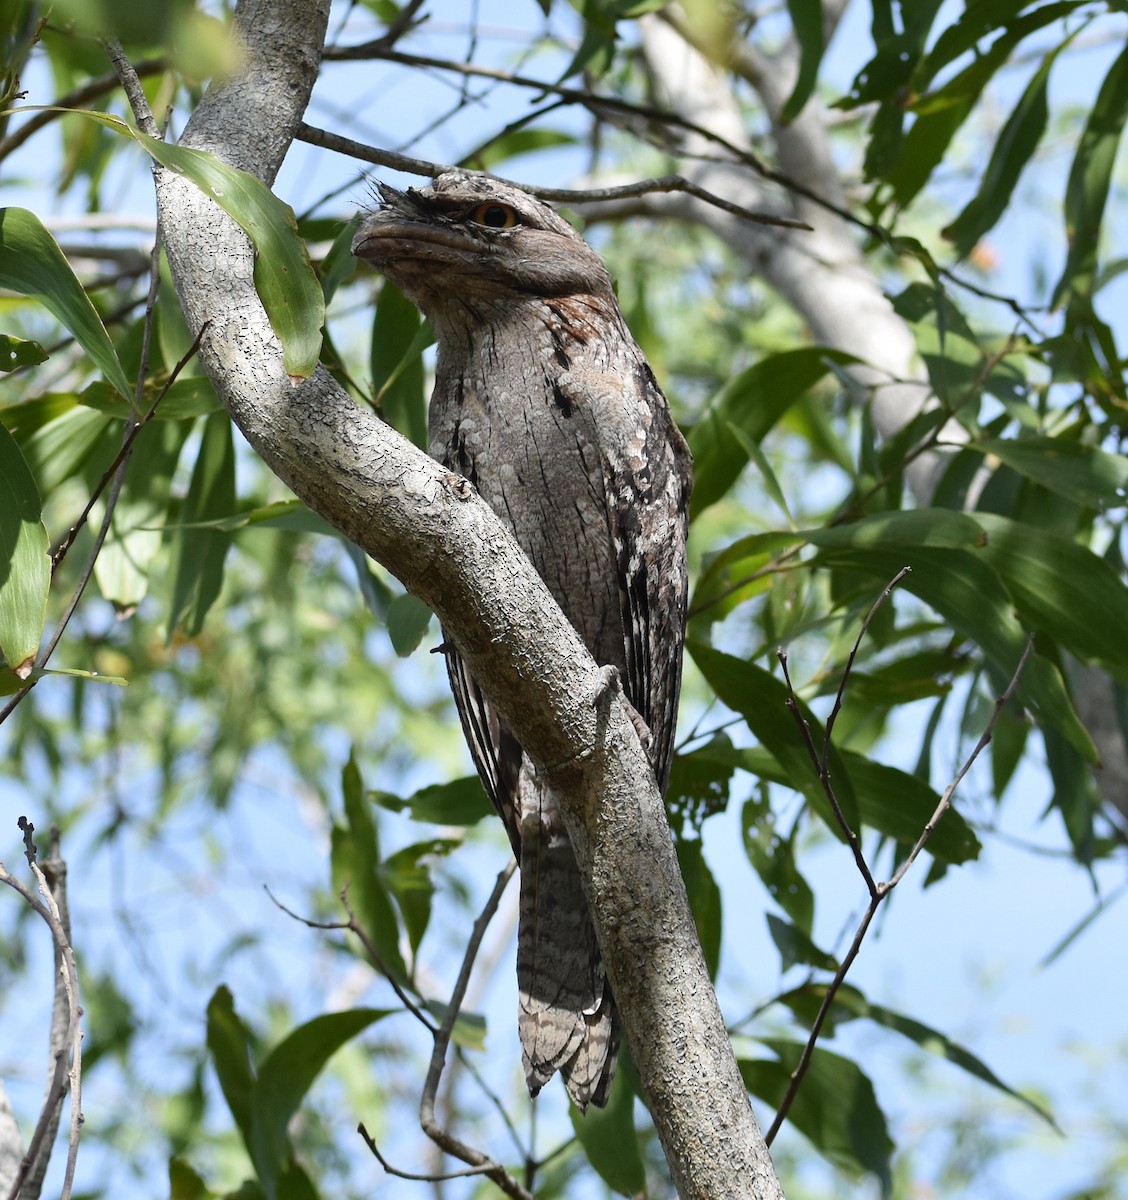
878 891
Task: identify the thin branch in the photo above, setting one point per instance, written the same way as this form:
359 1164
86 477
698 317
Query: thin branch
64 1077
879 892
823 770
419 166
353 925
77 98
477 1162
130 81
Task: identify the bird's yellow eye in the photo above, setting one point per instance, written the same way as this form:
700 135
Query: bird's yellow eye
494 216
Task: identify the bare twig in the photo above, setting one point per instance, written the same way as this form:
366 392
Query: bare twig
66 1031
477 1162
879 891
419 166
353 925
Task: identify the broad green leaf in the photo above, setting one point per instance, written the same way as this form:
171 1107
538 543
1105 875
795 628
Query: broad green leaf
339 265
704 900
25 564
184 400
399 337
964 586
1086 475
849 1003
229 1043
1061 588
134 540
72 439
773 859
796 947
916 676
284 276
32 264
199 552
1089 180
835 1108
460 802
899 806
699 782
407 619
761 700
184 1183
807 21
408 876
19 352
738 573
752 402
1010 153
355 855
286 1075
609 1139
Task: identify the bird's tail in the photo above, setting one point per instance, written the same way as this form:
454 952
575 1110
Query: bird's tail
567 1018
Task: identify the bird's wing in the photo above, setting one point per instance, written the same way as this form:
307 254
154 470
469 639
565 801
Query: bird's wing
496 752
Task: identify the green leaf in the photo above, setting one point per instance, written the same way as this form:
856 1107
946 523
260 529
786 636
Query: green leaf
704 900
469 1029
199 552
460 802
284 276
773 859
399 337
1089 180
835 1108
849 1003
761 700
229 1044
807 20
408 876
752 402
609 1139
962 585
32 264
184 1183
1085 475
899 806
796 947
25 564
1010 153
699 782
286 1075
339 264
407 619
122 566
355 856
1062 588
19 352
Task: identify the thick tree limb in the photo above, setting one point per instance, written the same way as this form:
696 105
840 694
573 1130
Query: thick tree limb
429 527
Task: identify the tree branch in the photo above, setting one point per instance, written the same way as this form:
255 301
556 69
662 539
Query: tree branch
432 531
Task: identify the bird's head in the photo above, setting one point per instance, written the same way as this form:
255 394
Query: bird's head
468 239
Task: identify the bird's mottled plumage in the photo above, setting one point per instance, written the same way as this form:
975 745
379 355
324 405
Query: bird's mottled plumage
544 402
